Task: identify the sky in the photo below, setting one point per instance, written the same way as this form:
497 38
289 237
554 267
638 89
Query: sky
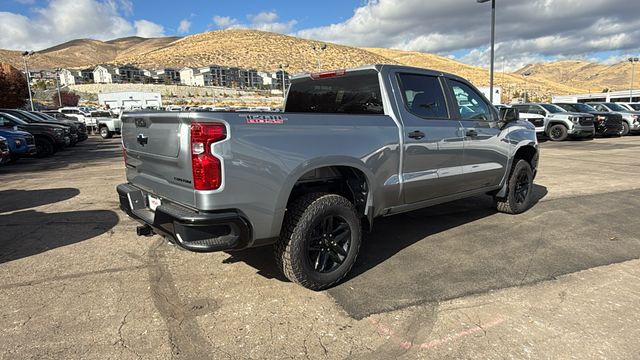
527 31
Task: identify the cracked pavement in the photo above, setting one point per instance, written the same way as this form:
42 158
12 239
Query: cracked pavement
453 281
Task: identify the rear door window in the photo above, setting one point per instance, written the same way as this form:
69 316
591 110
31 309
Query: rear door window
351 93
471 105
423 96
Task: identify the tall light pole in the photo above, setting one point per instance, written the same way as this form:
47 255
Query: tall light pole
58 86
633 61
25 55
282 67
493 43
317 49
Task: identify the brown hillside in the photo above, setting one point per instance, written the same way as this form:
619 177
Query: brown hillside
586 75
538 86
86 52
253 49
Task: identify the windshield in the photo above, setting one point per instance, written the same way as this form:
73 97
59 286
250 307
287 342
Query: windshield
553 108
583 108
100 114
5 116
615 107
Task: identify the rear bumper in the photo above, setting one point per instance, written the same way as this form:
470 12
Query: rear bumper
195 231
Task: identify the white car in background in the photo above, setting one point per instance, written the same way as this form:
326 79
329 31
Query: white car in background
630 106
537 120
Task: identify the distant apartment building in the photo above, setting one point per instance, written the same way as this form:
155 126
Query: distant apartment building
273 80
216 75
193 77
105 74
130 74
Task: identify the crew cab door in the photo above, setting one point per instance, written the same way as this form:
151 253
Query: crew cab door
486 151
433 147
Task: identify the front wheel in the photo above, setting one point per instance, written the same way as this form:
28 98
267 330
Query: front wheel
519 196
44 147
105 133
625 129
319 241
558 132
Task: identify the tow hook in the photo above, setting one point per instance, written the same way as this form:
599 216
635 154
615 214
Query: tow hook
144 230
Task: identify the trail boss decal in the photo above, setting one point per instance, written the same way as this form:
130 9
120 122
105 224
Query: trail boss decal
264 119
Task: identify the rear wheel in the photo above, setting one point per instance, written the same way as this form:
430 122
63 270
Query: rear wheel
625 129
558 132
519 190
105 133
44 147
320 240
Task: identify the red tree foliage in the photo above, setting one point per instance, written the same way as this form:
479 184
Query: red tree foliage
13 87
68 99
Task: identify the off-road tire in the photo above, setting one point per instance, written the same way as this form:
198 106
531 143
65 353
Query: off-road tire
44 147
105 133
625 129
511 204
291 250
558 132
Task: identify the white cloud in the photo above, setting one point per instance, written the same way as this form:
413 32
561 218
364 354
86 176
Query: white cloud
184 26
224 22
533 29
64 20
148 29
265 21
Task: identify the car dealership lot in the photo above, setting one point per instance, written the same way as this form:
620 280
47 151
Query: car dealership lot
456 280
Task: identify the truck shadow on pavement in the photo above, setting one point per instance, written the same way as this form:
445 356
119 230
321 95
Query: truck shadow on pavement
82 155
30 232
14 200
465 248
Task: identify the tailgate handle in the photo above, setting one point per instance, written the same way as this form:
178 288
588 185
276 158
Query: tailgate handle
142 140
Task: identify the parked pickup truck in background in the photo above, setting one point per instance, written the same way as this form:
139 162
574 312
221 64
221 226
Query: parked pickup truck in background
630 119
350 146
560 124
108 125
605 123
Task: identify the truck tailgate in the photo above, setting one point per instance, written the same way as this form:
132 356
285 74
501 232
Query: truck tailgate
155 162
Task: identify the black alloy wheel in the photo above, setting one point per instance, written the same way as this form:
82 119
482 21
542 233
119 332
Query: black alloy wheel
329 243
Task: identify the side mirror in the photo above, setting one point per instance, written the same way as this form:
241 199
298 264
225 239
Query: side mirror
15 127
508 115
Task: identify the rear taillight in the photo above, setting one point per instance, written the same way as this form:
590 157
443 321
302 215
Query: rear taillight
207 171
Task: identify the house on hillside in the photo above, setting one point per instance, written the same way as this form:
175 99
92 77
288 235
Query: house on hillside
106 74
70 77
186 76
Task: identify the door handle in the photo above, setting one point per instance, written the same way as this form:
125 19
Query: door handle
416 135
471 133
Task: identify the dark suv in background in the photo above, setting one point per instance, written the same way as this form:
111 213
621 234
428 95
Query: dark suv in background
70 133
48 137
606 123
76 125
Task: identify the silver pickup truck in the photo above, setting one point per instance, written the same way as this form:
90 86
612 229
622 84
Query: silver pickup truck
351 146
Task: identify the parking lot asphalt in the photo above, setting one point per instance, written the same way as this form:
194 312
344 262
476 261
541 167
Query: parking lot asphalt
453 281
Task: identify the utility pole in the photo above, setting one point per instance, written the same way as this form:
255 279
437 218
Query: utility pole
58 86
26 69
633 61
493 44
